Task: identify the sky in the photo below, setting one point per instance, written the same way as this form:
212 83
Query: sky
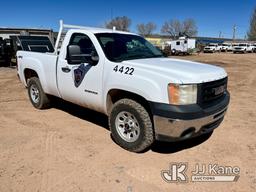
211 16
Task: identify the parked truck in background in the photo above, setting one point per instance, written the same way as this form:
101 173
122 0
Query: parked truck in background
212 48
5 52
146 96
254 47
242 48
225 47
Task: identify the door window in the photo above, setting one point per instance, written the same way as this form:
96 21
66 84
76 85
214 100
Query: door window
84 42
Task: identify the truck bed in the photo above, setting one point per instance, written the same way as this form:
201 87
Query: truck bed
45 64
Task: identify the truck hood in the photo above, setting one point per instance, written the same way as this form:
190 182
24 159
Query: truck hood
178 71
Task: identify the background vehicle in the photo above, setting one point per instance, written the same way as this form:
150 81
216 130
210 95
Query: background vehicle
10 46
226 47
254 47
242 48
212 48
250 48
146 97
182 45
1 51
6 52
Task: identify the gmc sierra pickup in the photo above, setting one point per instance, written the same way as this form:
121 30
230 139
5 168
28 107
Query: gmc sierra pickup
146 96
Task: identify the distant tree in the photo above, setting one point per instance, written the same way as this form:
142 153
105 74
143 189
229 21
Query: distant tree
176 28
252 30
121 23
146 29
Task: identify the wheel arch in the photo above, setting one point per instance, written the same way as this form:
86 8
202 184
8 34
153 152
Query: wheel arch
28 73
114 95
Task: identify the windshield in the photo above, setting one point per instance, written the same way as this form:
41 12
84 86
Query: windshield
120 47
211 45
242 45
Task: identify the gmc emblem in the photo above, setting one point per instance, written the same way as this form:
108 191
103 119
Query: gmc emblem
219 90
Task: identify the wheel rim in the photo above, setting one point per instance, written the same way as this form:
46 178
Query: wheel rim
127 126
34 93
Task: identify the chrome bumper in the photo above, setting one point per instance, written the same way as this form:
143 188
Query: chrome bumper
177 128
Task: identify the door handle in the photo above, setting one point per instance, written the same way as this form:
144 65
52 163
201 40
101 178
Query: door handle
66 69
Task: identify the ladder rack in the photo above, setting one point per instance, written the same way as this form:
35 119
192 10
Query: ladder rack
61 36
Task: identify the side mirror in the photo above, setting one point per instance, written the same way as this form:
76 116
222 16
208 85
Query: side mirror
74 55
94 58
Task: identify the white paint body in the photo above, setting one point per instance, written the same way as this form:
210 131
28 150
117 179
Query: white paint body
149 80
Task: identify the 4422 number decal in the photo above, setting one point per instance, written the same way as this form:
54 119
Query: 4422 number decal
125 70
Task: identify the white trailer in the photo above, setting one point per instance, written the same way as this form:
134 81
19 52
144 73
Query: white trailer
181 45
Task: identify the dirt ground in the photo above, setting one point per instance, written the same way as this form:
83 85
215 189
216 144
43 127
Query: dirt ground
69 149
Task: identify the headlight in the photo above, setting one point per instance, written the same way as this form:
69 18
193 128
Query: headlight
182 94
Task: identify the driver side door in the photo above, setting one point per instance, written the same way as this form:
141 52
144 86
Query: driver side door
81 83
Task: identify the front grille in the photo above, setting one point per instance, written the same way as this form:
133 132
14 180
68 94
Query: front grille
209 91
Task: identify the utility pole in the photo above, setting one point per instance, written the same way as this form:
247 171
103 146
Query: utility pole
234 32
220 34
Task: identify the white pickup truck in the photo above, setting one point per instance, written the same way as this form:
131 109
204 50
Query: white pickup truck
147 97
243 48
212 48
226 47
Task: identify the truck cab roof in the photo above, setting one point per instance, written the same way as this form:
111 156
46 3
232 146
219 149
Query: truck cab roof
99 30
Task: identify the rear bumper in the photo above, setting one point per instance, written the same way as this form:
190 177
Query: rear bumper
182 122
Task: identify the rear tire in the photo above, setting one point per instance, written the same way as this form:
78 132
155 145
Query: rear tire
131 126
36 94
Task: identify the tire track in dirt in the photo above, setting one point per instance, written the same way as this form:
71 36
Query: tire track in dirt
252 78
12 100
50 156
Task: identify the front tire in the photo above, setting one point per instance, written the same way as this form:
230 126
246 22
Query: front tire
36 94
131 126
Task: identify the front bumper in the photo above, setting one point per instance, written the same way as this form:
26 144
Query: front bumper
182 122
239 50
209 51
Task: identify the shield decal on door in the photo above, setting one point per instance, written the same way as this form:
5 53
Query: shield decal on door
80 73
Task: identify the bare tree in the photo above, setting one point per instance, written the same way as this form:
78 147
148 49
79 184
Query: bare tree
121 23
176 28
252 30
146 29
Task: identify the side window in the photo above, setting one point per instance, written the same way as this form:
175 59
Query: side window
185 42
177 43
84 42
